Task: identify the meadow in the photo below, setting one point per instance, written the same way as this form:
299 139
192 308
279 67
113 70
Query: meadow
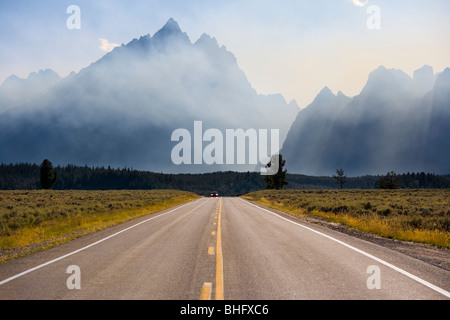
421 215
34 220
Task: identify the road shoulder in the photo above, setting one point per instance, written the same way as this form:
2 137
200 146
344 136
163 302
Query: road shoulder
436 256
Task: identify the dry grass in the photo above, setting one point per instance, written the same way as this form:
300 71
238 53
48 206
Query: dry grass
411 215
34 220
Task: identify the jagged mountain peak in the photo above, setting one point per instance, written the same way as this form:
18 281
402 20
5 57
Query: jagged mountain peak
392 82
206 40
172 25
46 75
327 103
11 79
384 74
324 95
170 33
122 109
15 91
443 79
171 30
395 124
424 80
425 71
326 92
46 72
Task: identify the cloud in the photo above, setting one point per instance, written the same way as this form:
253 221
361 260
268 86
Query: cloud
359 3
106 46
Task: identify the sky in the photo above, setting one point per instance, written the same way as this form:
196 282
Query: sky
290 47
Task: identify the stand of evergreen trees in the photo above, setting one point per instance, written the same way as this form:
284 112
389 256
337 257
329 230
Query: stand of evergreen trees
27 177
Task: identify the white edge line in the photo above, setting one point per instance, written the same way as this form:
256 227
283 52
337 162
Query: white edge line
406 273
88 246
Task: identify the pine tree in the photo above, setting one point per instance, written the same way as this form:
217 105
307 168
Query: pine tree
276 181
48 175
389 181
341 179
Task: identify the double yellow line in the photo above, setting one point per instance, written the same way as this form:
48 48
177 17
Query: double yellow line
207 286
219 258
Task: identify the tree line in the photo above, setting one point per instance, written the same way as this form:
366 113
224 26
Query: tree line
27 177
70 177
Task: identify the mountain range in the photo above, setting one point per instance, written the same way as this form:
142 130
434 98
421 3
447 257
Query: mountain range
397 123
122 109
15 91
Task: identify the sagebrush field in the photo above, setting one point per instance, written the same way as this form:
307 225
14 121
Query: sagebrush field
404 214
33 220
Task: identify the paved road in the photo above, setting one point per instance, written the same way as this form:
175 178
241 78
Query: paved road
220 248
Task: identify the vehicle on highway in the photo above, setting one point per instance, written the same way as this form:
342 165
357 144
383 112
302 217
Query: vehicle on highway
214 194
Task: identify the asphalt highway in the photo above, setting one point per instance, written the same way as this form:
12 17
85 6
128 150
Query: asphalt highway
221 248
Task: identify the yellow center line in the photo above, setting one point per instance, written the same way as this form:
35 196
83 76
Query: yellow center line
219 258
206 291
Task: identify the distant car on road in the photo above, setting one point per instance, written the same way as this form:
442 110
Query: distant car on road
214 194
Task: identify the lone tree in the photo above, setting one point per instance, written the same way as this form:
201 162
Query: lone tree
389 181
341 179
277 180
48 175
